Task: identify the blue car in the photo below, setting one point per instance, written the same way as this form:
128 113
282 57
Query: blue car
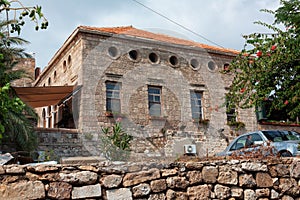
283 143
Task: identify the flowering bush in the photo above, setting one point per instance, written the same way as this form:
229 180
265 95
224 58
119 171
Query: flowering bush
115 143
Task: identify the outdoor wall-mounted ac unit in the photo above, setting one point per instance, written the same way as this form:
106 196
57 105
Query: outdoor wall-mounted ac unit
190 149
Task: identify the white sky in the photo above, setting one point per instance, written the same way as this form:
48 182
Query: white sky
221 21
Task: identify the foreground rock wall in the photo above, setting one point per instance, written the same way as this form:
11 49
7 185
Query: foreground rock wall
226 179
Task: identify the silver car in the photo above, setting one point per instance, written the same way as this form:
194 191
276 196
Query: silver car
283 143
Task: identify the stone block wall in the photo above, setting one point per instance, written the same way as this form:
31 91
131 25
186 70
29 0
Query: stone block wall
219 179
60 143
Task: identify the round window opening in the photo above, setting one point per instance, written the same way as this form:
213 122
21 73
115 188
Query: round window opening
212 66
153 57
113 52
173 60
194 63
133 54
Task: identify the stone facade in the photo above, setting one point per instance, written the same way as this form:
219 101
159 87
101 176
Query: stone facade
137 60
28 65
219 179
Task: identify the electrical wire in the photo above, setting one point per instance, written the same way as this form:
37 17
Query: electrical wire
174 22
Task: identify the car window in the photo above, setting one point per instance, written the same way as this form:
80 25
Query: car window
275 136
292 135
256 137
239 144
246 141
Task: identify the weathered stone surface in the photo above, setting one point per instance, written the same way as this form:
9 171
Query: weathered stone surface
177 182
222 192
246 180
265 192
64 183
49 177
273 171
227 176
42 168
295 169
23 190
168 172
2 170
171 195
140 177
32 177
289 186
198 192
282 170
59 190
89 168
160 196
274 194
111 181
88 191
84 177
209 174
249 194
158 185
254 167
237 192
263 180
15 169
141 190
194 177
194 165
119 194
9 179
286 197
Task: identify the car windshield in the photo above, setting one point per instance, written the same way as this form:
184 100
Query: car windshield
278 136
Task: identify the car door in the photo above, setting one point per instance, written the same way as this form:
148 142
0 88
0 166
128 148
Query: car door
240 144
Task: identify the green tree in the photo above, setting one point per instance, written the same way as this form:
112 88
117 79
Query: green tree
268 68
15 122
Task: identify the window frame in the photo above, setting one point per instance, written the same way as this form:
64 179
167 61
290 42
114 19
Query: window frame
115 96
230 114
153 101
196 106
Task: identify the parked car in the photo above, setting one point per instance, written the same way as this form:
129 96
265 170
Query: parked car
282 143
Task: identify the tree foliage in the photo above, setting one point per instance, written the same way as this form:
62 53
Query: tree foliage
268 68
15 116
16 12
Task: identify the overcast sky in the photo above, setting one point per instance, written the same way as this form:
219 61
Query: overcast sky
221 21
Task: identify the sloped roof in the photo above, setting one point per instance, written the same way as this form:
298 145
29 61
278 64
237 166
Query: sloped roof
131 31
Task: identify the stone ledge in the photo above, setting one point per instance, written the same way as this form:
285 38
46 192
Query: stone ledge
82 160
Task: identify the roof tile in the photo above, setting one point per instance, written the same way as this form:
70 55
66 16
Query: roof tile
131 31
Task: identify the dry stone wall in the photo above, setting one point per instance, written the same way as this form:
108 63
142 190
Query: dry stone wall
222 179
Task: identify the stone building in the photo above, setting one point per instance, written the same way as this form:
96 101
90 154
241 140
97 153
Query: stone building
167 92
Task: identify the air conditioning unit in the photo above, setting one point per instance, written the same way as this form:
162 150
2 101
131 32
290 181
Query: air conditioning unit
190 149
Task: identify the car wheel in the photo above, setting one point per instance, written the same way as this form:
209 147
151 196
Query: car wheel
285 154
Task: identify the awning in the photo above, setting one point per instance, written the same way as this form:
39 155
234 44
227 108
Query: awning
43 96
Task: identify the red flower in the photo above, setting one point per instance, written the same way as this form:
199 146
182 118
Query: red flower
286 102
259 54
242 90
273 47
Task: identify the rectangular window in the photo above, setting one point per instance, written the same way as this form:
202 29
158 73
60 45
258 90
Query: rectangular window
196 104
230 112
154 98
113 102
